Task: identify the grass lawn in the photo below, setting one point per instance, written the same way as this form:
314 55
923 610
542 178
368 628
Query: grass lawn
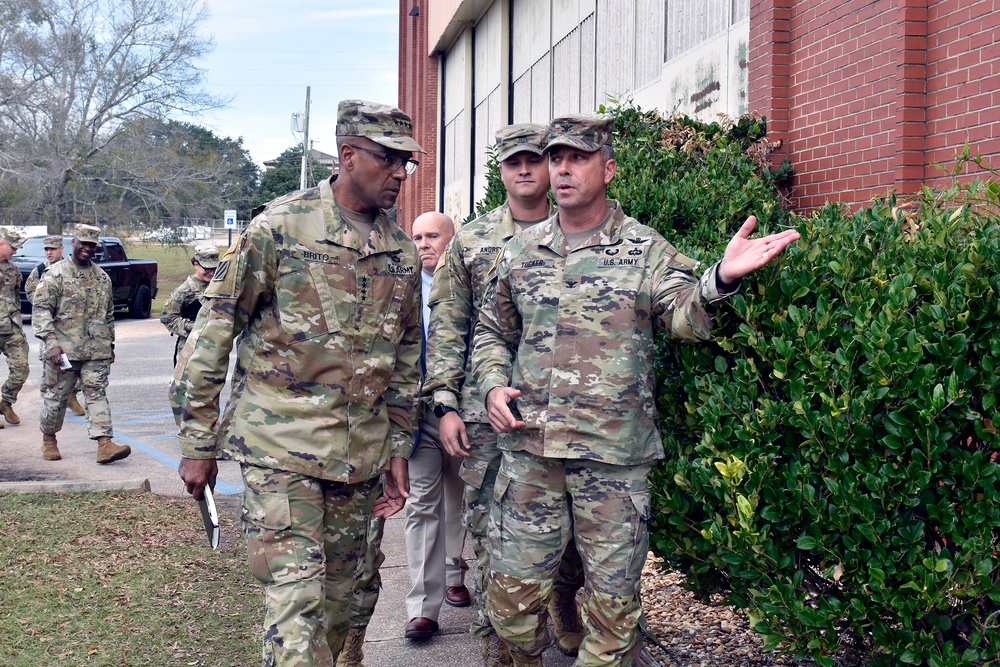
174 265
123 579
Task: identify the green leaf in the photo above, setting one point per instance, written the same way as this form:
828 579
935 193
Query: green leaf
806 543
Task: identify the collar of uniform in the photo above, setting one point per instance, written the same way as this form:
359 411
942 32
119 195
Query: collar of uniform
380 240
610 234
507 226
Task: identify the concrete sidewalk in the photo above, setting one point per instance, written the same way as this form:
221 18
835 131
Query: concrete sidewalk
451 647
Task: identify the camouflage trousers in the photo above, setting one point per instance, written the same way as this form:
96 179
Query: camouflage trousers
540 504
367 580
305 540
479 472
58 384
14 346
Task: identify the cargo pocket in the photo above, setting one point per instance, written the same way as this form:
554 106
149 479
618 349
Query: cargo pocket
271 544
494 530
642 502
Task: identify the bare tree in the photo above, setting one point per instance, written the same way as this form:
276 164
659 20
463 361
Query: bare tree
167 172
75 74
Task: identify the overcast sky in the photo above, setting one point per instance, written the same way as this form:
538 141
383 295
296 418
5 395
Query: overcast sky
268 51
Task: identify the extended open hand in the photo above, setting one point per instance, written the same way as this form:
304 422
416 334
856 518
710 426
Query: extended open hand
745 255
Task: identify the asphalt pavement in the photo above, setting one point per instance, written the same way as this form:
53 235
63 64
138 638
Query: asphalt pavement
142 419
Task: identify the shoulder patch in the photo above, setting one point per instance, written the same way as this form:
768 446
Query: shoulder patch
234 246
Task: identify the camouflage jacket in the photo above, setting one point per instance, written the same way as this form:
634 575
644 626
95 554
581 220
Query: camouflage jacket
10 298
31 282
73 309
574 333
459 286
182 307
330 345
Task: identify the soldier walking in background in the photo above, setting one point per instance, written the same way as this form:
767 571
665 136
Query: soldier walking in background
451 390
324 288
181 309
13 344
74 316
53 248
564 356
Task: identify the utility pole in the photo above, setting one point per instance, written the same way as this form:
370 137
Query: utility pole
303 176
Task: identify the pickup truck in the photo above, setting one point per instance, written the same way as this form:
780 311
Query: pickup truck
133 281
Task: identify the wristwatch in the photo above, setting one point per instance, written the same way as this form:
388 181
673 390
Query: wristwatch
442 410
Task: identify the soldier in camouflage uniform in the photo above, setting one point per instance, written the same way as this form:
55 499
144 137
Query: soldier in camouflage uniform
450 389
563 353
74 317
53 247
12 341
181 309
324 288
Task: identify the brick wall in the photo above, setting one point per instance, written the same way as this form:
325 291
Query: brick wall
866 94
418 96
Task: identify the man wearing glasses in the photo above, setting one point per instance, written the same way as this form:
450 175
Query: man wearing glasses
325 290
181 309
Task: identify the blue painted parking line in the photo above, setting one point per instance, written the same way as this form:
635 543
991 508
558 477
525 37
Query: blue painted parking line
165 415
220 487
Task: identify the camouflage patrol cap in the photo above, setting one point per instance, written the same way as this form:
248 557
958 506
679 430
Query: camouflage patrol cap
585 133
11 237
522 137
207 256
383 124
87 233
52 242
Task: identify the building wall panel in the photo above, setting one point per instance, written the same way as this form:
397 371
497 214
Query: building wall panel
588 64
456 183
530 27
566 59
455 80
648 42
615 48
522 99
541 111
481 143
488 68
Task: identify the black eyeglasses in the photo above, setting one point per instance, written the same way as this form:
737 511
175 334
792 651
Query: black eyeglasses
392 161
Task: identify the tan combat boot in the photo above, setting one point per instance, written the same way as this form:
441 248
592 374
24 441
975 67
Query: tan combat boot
566 621
495 653
108 451
7 410
74 405
352 655
50 452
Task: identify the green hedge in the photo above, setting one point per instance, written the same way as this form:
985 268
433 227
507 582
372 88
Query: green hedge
831 460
